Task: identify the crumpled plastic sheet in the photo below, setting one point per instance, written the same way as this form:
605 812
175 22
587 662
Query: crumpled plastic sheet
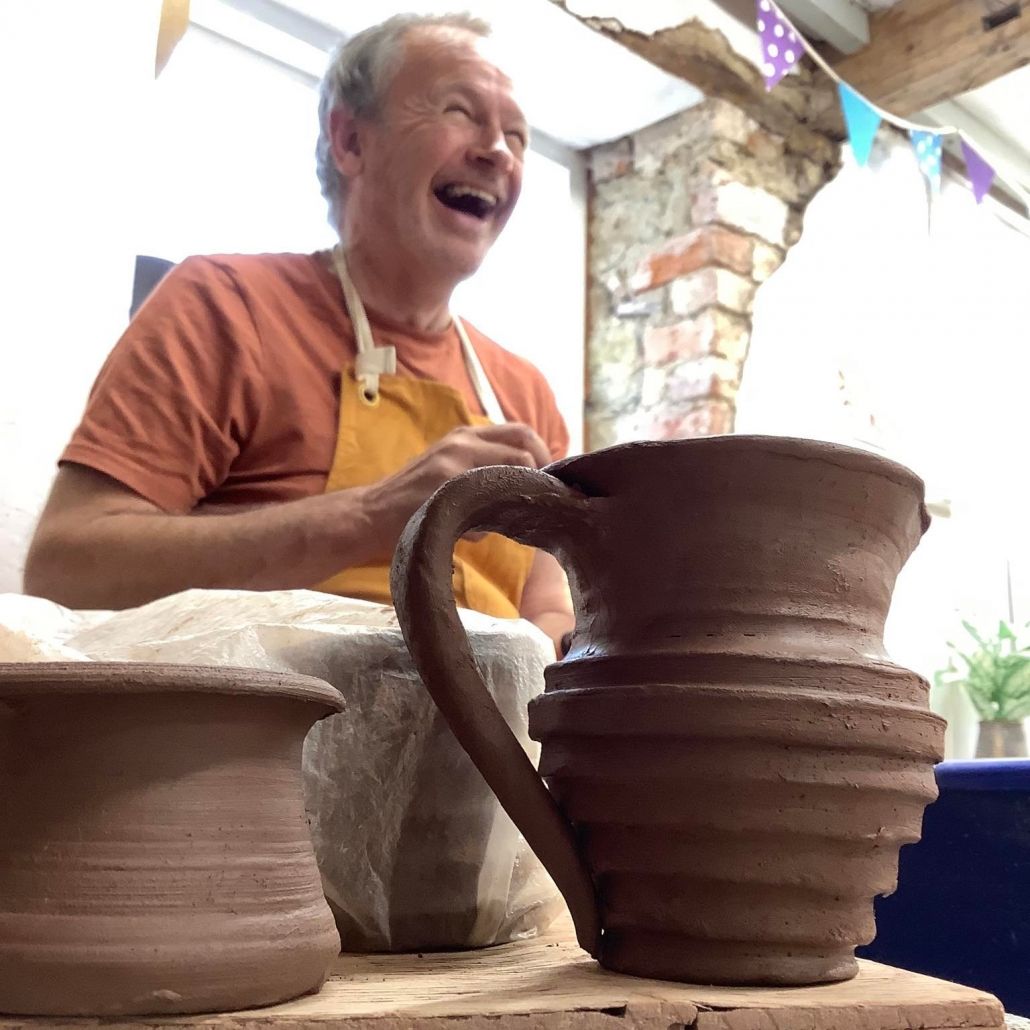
415 851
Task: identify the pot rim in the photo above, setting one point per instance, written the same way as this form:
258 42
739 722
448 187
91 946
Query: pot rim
36 679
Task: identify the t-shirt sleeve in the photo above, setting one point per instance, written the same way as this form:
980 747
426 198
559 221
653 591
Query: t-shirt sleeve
177 398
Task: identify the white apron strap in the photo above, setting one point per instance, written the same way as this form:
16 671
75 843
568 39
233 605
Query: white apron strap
484 391
371 361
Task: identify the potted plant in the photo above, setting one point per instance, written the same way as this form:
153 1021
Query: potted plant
995 673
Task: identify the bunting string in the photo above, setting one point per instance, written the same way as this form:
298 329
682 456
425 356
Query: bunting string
782 47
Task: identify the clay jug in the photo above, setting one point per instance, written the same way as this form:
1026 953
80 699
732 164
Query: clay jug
733 760
154 851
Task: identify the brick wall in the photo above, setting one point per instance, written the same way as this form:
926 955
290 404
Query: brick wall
687 219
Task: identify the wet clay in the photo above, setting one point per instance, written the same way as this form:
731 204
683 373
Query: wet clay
733 760
154 851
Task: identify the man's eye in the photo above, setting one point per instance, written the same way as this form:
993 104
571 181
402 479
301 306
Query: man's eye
518 138
459 108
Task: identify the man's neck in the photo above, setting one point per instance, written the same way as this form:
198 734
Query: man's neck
390 290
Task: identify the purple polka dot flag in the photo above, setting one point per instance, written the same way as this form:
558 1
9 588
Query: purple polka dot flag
781 48
981 174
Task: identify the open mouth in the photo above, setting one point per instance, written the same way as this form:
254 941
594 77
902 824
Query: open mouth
468 200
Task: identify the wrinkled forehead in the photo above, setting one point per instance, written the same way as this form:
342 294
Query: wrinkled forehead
437 58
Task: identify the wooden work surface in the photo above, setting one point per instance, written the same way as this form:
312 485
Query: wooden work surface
549 984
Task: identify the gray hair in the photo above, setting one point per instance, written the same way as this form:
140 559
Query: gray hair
359 75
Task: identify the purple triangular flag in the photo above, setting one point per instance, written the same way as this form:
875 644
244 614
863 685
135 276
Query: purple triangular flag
781 48
981 174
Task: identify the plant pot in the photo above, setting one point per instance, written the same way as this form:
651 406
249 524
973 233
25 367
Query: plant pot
154 852
962 908
1001 738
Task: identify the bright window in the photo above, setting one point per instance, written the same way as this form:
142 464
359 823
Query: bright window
911 337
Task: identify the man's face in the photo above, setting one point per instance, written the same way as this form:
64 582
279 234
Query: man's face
441 167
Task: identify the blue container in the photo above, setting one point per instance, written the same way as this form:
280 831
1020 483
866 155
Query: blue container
962 908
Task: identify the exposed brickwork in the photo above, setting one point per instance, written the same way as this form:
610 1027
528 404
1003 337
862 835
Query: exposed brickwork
711 287
765 260
707 332
710 245
709 418
750 209
611 162
688 217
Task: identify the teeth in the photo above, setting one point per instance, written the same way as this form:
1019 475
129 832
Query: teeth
459 190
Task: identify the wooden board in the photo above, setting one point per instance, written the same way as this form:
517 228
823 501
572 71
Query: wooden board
549 984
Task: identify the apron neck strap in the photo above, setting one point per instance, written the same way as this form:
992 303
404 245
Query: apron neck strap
371 361
480 383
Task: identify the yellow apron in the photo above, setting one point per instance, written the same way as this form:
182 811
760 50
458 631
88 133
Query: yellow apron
387 420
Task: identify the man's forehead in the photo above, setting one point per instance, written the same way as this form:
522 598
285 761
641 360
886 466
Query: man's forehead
442 55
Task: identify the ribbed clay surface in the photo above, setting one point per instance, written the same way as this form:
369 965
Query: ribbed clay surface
736 833
154 851
740 759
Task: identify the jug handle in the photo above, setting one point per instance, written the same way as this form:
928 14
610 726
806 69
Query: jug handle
533 508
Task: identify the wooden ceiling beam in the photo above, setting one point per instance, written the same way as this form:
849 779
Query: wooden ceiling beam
841 23
923 52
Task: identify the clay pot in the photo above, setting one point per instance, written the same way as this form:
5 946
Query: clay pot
733 761
154 853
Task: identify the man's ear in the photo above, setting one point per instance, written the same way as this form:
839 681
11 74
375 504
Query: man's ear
345 141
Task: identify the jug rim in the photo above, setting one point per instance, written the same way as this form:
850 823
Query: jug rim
855 458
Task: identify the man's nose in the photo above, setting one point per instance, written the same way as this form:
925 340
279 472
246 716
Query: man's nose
492 147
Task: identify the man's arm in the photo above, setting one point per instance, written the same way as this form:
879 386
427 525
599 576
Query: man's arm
546 601
101 545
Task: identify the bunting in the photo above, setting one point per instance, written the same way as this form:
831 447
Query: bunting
929 150
862 122
981 174
782 46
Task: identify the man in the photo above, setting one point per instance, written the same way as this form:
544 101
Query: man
271 422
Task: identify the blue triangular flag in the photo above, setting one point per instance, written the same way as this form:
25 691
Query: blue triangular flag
862 122
928 152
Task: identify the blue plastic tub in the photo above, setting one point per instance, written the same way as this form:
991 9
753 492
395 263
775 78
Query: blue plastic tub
962 908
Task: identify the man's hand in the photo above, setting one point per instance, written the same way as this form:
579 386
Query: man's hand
392 501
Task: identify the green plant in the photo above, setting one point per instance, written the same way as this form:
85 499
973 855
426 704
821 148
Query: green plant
996 675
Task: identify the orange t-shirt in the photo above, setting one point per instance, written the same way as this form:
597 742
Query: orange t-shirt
225 387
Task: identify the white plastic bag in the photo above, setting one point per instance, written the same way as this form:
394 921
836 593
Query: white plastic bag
414 850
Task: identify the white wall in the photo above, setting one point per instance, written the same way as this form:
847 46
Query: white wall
927 325
530 293
217 155
73 81
229 152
